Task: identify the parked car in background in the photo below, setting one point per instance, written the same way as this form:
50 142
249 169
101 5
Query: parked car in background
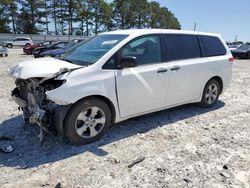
242 52
38 51
3 51
59 51
233 47
21 41
237 43
118 75
29 49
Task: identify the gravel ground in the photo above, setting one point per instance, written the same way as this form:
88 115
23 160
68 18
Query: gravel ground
182 147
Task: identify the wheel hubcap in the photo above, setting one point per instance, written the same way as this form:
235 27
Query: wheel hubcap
212 93
90 122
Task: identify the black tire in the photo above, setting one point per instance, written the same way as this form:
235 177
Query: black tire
28 44
9 45
1 55
205 101
71 121
6 55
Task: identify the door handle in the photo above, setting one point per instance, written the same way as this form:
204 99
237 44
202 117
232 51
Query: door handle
175 68
162 70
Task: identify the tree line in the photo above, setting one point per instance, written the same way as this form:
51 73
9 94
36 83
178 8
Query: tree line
82 17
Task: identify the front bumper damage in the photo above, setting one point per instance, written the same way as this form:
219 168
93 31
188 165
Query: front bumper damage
49 117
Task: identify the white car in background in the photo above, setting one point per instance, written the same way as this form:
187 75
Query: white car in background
118 75
20 41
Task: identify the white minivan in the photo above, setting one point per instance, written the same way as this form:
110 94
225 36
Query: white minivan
118 75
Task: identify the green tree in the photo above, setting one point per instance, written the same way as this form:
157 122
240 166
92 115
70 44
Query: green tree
46 11
30 15
123 14
161 17
4 19
10 11
84 16
102 16
139 13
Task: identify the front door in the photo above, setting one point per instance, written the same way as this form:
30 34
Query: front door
143 88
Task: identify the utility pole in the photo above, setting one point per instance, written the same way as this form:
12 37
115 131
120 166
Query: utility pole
194 26
236 38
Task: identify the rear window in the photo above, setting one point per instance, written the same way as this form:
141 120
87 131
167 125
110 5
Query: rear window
181 47
212 46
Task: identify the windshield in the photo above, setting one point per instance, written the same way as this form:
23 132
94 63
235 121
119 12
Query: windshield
51 45
245 47
91 50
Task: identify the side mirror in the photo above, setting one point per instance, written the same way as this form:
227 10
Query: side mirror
128 62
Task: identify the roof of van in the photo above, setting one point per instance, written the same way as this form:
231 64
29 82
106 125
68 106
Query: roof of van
148 31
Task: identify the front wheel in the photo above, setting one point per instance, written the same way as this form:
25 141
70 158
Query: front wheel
87 121
211 93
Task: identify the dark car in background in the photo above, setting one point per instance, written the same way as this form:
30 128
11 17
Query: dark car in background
29 49
242 52
38 51
59 51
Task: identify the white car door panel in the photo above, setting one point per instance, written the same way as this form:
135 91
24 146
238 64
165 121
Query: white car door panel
186 80
142 89
15 42
187 68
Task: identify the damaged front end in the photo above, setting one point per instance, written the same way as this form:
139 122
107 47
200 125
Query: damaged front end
30 95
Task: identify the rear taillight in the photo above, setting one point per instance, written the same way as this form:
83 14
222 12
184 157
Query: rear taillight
231 59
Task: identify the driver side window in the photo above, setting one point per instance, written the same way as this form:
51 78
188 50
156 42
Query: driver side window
147 50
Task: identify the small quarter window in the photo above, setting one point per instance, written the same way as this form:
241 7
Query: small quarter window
212 46
110 64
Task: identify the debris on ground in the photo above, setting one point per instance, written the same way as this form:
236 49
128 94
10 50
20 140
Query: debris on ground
138 160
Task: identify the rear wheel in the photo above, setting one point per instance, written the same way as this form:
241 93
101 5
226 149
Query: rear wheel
9 45
211 93
87 121
28 44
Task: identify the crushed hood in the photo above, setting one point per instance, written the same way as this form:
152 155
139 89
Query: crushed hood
41 68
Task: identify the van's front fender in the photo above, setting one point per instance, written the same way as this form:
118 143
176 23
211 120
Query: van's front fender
80 86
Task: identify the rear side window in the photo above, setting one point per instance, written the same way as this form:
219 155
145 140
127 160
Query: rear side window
212 46
180 47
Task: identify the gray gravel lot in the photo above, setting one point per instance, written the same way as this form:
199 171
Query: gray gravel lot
186 146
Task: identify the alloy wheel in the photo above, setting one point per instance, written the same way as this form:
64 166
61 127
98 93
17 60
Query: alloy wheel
211 93
90 122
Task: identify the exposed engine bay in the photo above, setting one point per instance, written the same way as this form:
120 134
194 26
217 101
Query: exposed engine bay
30 96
